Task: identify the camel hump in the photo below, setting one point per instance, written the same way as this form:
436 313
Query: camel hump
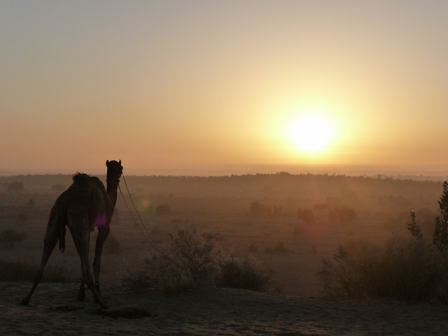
81 178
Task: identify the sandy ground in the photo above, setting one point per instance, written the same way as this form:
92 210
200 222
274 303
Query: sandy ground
54 311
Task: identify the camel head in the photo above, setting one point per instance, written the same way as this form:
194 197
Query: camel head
114 171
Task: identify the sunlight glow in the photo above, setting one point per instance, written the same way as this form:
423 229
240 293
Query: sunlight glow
312 134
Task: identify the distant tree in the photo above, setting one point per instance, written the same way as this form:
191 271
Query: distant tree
31 203
148 207
414 228
10 236
163 209
306 215
440 238
257 208
15 187
425 219
342 215
58 187
345 214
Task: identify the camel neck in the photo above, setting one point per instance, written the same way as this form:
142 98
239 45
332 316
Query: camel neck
112 191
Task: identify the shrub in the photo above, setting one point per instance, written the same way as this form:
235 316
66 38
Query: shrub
253 248
306 215
20 270
280 247
243 273
258 209
15 187
194 259
342 214
9 237
402 269
162 210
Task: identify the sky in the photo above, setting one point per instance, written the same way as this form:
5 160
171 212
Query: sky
209 87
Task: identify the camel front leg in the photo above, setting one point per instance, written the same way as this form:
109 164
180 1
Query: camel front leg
79 229
103 232
86 276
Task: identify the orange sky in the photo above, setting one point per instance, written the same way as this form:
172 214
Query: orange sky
214 86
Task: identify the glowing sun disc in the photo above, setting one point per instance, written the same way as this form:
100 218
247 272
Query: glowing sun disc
312 134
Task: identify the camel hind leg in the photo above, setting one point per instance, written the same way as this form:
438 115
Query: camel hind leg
103 232
50 241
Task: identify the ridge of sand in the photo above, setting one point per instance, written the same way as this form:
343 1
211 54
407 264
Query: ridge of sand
54 310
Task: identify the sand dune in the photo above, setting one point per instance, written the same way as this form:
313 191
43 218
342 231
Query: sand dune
54 310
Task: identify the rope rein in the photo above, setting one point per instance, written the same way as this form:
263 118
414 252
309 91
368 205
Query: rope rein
146 233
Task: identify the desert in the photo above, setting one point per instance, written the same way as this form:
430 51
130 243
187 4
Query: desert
289 247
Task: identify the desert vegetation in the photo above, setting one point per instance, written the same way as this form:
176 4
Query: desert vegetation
402 268
195 259
274 229
8 237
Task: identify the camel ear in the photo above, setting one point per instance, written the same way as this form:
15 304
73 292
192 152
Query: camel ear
119 162
107 163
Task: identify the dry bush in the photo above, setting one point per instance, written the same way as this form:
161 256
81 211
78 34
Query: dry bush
163 209
402 268
21 270
245 273
15 187
194 259
280 247
253 248
9 237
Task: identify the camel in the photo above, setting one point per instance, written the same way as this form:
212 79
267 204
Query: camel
83 206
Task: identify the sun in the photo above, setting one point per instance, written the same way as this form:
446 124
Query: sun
312 134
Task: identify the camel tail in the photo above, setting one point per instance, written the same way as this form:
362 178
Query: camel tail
60 223
61 230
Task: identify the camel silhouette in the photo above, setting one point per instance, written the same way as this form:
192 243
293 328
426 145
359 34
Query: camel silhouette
83 206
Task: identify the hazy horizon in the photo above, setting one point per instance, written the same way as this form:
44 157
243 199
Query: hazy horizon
294 170
235 86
